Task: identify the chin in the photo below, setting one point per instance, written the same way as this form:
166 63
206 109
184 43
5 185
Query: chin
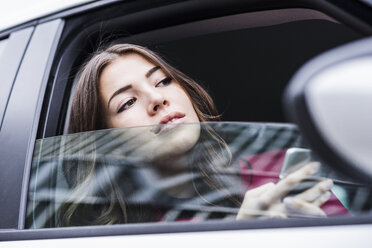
174 141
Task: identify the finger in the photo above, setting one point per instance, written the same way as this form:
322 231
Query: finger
278 210
300 208
259 190
322 199
256 213
316 191
288 183
273 215
252 197
250 207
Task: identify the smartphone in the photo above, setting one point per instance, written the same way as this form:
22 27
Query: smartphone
294 159
344 187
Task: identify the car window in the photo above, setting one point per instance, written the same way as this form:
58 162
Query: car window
132 175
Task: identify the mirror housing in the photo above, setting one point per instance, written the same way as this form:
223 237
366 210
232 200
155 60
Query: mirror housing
330 99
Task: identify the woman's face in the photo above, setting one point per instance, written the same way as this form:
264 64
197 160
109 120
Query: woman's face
135 92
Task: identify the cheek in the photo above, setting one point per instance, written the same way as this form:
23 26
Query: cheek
185 102
191 110
132 117
194 116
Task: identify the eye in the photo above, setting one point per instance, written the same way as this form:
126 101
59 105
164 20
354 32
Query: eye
166 81
127 105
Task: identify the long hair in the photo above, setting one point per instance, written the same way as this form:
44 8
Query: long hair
87 115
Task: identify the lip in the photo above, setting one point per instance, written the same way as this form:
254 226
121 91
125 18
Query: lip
164 124
170 117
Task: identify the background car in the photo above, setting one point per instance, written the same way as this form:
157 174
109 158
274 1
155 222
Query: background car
244 52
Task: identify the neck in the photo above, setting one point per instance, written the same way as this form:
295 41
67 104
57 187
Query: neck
177 172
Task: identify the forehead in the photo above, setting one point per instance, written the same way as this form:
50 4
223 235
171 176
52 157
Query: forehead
130 61
129 66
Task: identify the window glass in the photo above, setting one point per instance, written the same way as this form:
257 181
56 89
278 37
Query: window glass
189 172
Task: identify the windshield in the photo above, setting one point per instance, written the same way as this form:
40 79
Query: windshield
186 172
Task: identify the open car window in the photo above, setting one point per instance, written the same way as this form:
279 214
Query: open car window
187 172
135 175
231 55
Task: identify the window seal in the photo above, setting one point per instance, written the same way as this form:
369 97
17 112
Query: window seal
178 227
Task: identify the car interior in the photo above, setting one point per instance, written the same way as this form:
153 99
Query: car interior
244 60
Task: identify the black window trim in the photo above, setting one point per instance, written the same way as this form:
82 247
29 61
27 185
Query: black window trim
333 7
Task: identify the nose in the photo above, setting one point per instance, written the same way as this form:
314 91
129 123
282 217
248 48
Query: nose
160 105
157 102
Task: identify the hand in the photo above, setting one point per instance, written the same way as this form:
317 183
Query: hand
269 200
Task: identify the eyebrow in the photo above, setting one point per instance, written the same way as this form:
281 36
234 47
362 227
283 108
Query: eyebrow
119 91
127 87
151 71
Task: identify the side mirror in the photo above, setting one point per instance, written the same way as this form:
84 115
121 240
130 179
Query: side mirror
330 99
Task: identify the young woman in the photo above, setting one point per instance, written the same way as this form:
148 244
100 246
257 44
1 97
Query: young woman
127 85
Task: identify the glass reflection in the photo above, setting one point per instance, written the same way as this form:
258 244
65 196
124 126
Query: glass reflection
190 172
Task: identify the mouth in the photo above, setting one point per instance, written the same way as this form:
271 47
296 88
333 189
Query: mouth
168 122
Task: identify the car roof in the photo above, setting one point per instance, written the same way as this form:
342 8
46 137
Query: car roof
16 12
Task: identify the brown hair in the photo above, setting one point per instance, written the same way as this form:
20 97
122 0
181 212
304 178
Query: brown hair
86 111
